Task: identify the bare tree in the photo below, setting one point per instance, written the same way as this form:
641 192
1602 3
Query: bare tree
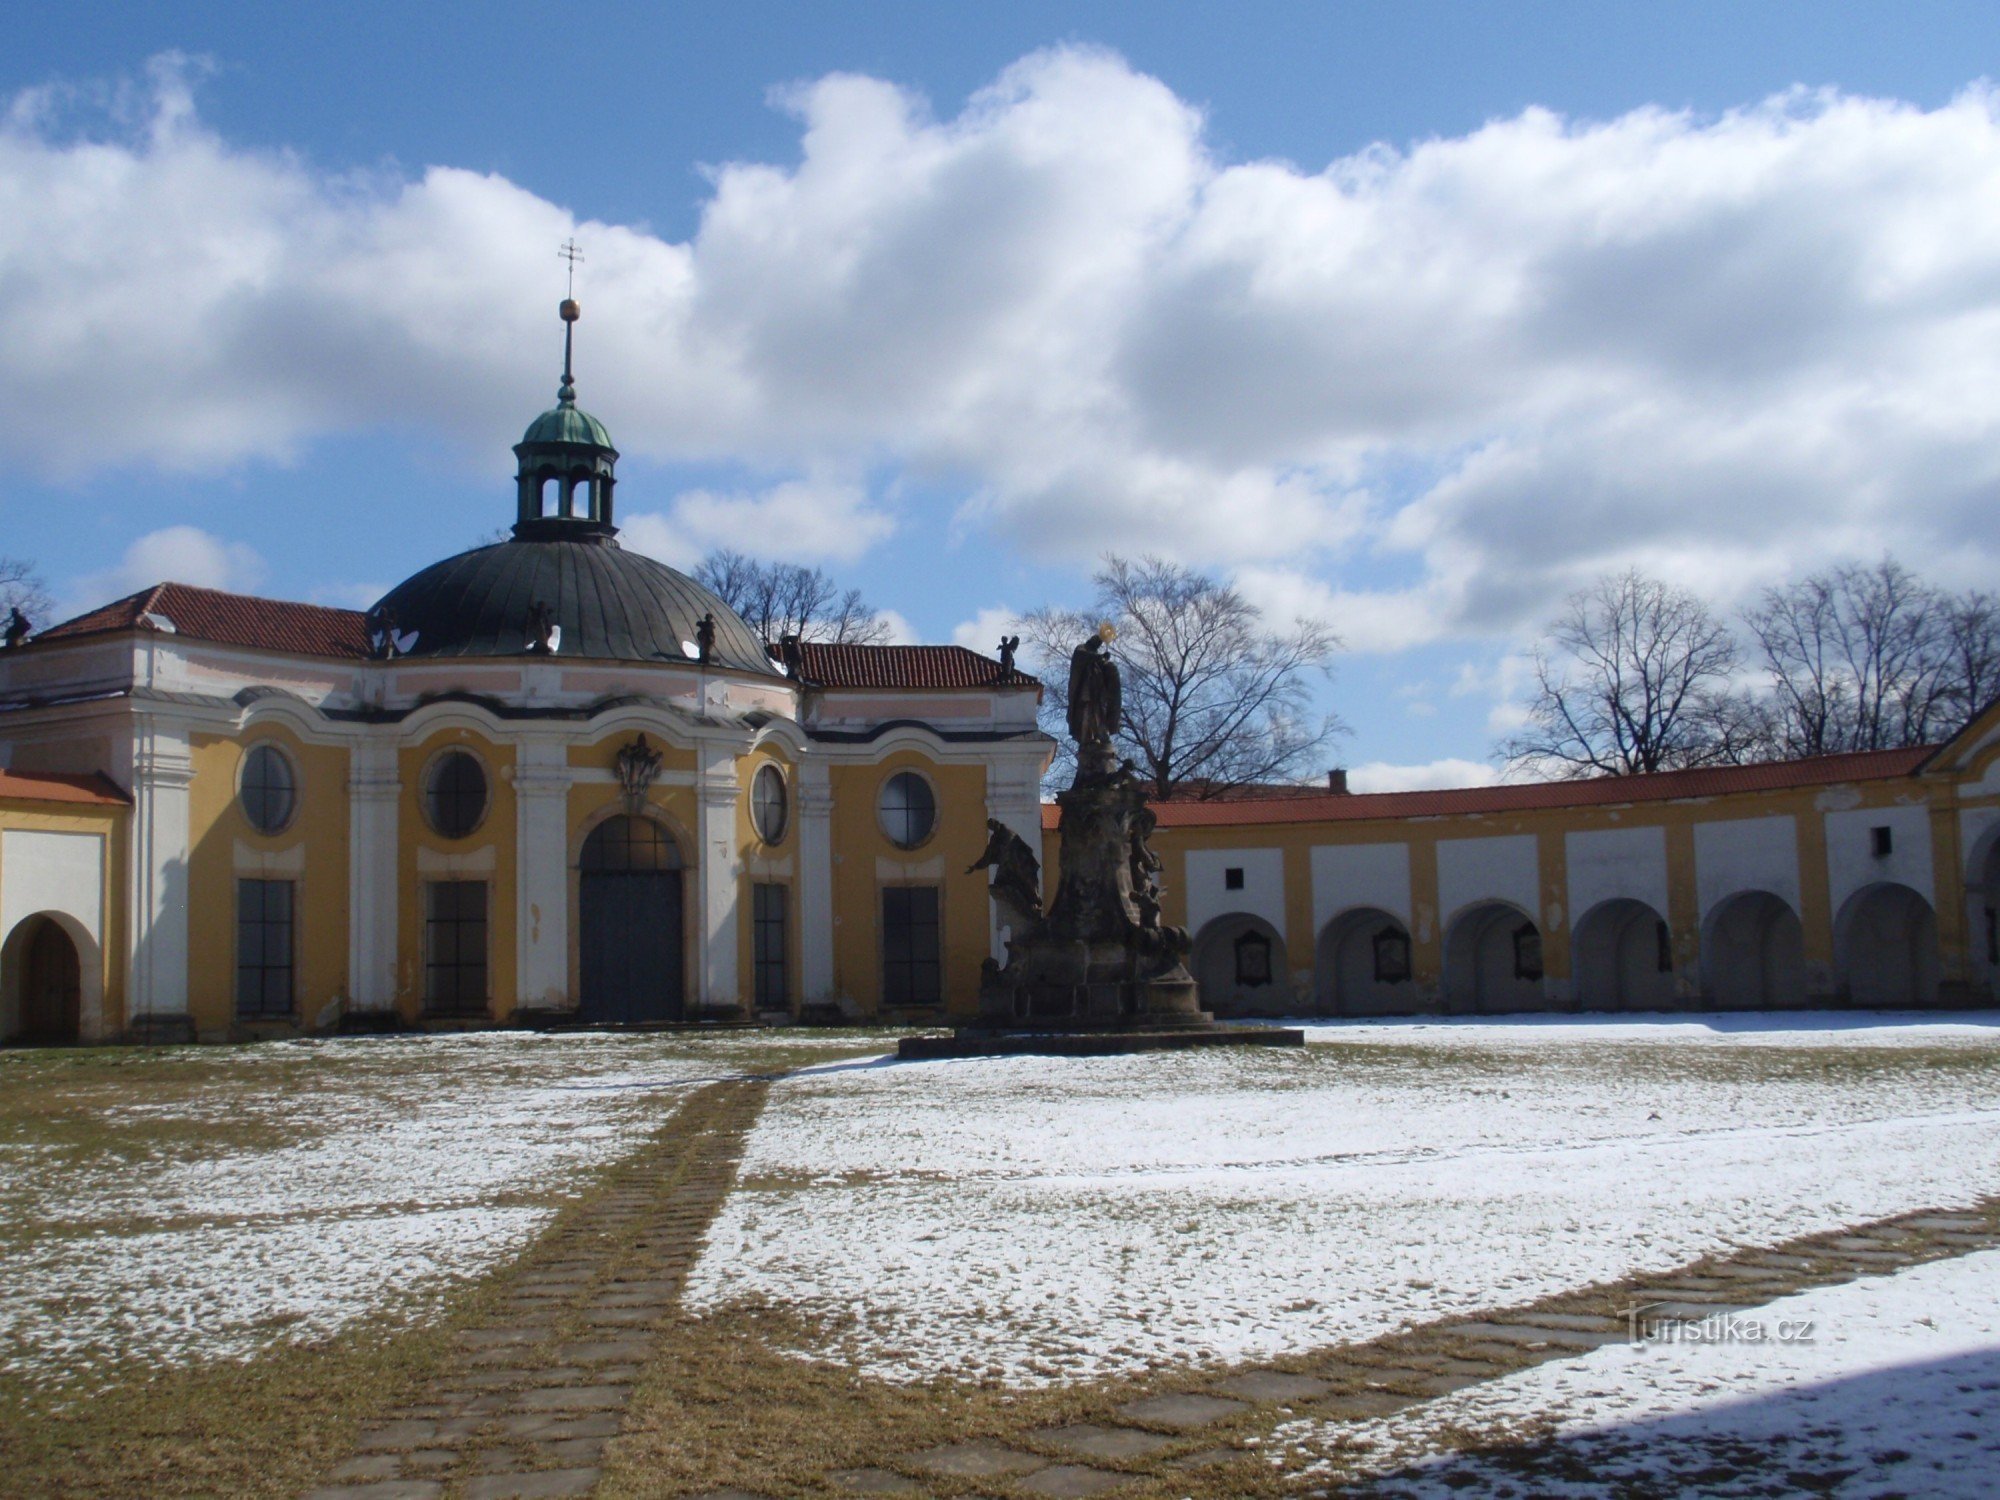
1871 659
779 599
22 588
1214 698
1640 678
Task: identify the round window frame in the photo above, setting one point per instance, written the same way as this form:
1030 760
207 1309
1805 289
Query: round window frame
768 839
881 812
429 773
291 769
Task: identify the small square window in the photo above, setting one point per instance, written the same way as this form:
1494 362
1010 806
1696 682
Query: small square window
1232 879
1881 841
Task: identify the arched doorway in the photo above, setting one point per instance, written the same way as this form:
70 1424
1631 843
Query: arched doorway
1363 966
1493 960
48 994
630 967
1622 958
1753 953
1239 962
1886 946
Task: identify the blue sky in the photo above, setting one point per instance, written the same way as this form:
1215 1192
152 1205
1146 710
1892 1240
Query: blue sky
1413 316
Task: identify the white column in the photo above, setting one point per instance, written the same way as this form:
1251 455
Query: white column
372 789
1014 797
720 872
162 771
542 780
816 882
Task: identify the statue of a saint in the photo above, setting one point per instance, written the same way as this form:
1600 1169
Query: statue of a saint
1095 698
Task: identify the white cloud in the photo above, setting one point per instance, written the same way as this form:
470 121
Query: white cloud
800 521
1382 776
983 631
1426 391
174 554
901 631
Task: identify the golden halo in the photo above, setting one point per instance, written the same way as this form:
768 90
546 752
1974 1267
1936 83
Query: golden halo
1107 632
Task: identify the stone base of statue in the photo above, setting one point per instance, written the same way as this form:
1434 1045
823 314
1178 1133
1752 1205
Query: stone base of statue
1099 973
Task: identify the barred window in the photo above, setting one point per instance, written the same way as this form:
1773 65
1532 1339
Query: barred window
767 803
911 968
455 946
269 792
908 808
263 948
455 794
768 946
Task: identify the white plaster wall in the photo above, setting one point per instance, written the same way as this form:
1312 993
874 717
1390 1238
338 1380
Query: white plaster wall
1349 875
1608 863
1974 823
1263 893
1850 865
1746 854
1505 868
52 872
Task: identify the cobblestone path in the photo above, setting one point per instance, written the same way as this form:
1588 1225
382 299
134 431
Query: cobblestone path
1145 1442
538 1386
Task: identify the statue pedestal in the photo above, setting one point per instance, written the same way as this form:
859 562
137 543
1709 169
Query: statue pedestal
1099 973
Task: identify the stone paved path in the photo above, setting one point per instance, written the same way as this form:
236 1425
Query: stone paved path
1145 1444
539 1385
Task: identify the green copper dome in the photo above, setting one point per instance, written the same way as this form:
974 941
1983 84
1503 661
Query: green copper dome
566 422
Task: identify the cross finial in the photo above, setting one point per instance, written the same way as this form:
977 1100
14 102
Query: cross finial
571 252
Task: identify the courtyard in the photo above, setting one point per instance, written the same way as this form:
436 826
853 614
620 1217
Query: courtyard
675 1263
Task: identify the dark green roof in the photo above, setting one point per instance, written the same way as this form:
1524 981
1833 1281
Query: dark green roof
567 423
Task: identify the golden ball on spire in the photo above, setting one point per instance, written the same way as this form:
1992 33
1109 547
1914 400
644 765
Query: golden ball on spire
569 310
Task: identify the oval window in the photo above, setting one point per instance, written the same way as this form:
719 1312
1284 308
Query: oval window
909 809
269 791
767 803
455 796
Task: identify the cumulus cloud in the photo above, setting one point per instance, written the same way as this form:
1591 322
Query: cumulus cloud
174 554
983 631
1382 776
1484 368
803 521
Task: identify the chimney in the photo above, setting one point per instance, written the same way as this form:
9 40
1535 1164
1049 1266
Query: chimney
1336 782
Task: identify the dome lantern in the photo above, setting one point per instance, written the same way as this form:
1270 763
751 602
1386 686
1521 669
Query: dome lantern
566 464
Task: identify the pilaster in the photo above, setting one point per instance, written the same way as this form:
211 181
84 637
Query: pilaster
162 773
720 875
542 779
815 793
373 788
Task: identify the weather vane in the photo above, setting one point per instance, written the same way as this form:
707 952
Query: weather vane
572 253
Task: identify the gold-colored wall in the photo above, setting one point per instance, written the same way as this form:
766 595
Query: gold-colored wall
311 851
864 860
487 853
109 824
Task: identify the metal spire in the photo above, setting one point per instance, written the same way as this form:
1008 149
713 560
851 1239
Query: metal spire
570 312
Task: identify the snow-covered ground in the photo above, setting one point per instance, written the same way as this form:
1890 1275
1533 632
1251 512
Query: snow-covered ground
1050 1218
1892 1391
229 1197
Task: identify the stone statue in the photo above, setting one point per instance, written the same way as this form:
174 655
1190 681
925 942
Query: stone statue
541 629
1017 877
637 763
17 629
1009 644
1100 957
1096 700
704 636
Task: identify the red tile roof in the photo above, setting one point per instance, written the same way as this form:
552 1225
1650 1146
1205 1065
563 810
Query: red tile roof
1598 791
228 620
51 786
906 667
